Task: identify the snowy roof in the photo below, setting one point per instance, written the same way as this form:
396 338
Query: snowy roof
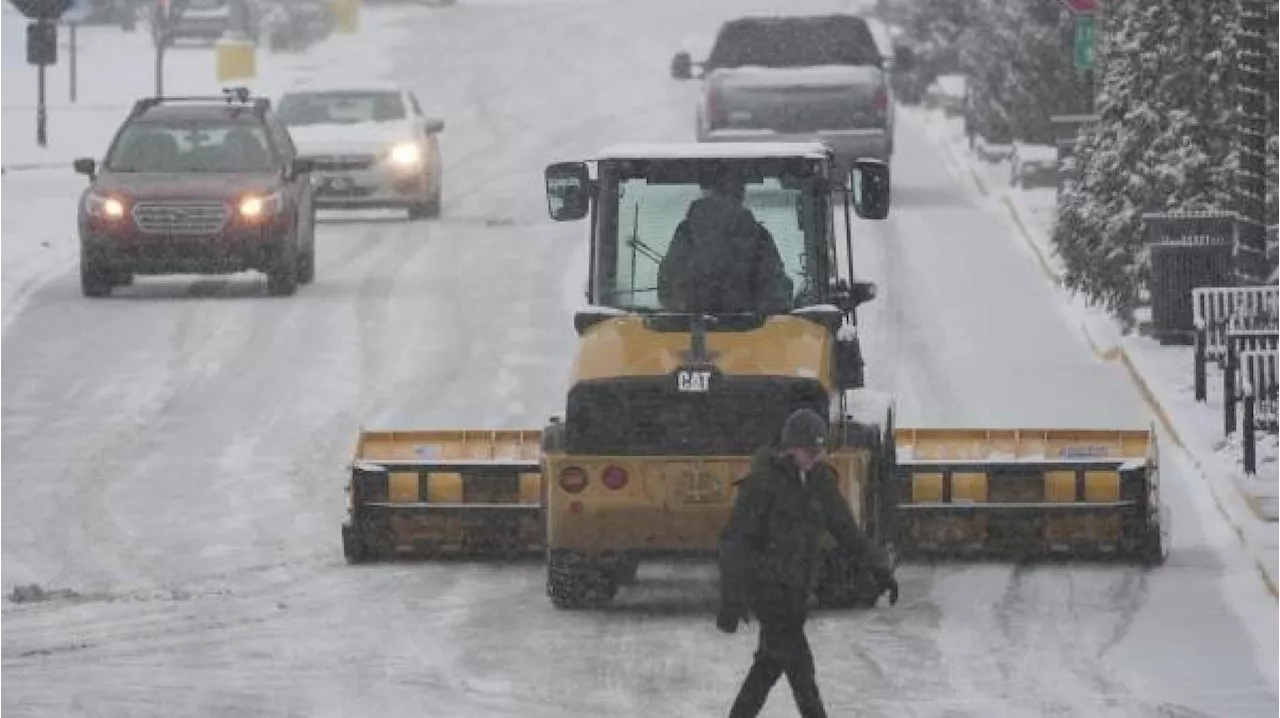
329 85
715 150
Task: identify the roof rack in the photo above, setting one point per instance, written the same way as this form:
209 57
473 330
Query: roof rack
234 97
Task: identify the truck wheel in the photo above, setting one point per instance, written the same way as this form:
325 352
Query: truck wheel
573 583
307 260
428 209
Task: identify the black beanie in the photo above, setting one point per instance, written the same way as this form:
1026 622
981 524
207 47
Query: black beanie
805 429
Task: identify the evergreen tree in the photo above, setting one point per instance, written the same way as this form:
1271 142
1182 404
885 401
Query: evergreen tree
1163 141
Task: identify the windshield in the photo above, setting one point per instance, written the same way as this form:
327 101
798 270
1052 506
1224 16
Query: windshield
795 43
191 147
340 108
664 223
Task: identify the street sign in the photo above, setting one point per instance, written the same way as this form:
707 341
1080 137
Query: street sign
1083 7
41 9
1084 42
77 11
42 43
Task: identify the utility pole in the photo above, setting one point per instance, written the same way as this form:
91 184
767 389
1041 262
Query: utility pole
1251 250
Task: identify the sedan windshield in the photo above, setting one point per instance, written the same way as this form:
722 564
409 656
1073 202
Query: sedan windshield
340 108
191 147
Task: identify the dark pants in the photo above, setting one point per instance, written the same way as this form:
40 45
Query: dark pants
783 648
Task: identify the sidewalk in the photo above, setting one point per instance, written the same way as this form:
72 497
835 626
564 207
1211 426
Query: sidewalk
1163 374
40 190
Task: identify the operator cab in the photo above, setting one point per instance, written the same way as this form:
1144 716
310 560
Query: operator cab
644 197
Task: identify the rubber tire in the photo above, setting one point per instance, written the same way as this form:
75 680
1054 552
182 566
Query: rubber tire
430 209
94 282
307 260
625 572
573 586
282 279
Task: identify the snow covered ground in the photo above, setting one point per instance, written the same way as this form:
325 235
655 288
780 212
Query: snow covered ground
173 457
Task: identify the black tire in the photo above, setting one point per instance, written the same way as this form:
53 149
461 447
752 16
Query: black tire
307 260
574 584
624 573
429 209
282 278
95 281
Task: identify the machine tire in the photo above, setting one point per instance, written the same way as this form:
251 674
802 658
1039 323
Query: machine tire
624 573
573 583
429 208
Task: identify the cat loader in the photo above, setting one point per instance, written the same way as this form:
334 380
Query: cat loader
666 407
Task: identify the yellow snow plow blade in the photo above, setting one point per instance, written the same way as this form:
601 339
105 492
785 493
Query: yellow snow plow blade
1029 493
431 493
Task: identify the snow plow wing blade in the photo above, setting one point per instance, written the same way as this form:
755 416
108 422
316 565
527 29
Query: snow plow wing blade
439 493
1029 493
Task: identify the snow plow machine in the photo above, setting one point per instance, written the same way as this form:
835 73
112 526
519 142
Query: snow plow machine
665 409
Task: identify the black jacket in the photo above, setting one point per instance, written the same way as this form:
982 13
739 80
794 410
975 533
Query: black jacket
722 260
770 550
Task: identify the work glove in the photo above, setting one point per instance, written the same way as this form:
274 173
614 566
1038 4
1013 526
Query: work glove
728 617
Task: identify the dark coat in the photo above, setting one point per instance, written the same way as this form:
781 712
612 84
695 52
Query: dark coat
770 550
722 260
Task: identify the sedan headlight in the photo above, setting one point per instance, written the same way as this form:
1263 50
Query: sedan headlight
260 206
406 154
104 206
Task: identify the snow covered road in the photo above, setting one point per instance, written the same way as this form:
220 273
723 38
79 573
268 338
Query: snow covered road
173 457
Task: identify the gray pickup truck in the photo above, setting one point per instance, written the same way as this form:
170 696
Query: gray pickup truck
779 79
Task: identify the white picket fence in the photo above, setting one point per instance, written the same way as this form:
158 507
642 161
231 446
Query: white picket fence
1217 310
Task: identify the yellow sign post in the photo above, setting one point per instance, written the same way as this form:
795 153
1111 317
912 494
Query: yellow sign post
346 16
236 59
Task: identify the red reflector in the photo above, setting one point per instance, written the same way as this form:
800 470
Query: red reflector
614 477
573 479
575 507
716 115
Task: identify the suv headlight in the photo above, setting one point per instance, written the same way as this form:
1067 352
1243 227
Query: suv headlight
259 206
405 154
104 206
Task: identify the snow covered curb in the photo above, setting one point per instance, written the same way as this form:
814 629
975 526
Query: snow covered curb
1161 374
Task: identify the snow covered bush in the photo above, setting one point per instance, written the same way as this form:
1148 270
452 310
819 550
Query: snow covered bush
1163 141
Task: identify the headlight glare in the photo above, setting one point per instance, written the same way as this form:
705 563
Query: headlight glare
406 154
259 206
104 206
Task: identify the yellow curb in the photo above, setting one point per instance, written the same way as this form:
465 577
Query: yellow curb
1118 353
1045 266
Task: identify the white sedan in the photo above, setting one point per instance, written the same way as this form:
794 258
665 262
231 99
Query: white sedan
372 147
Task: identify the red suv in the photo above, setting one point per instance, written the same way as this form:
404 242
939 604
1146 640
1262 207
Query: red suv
198 185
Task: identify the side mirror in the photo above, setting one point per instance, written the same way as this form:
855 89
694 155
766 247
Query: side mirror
904 59
682 66
302 166
568 190
85 166
433 126
869 184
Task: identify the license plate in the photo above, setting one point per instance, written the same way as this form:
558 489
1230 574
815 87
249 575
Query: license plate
693 381
336 184
699 483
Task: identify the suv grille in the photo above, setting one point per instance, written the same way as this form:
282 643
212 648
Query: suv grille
180 217
334 163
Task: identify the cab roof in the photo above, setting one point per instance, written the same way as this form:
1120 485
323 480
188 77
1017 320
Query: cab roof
715 151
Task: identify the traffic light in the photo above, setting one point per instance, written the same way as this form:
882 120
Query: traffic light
42 43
